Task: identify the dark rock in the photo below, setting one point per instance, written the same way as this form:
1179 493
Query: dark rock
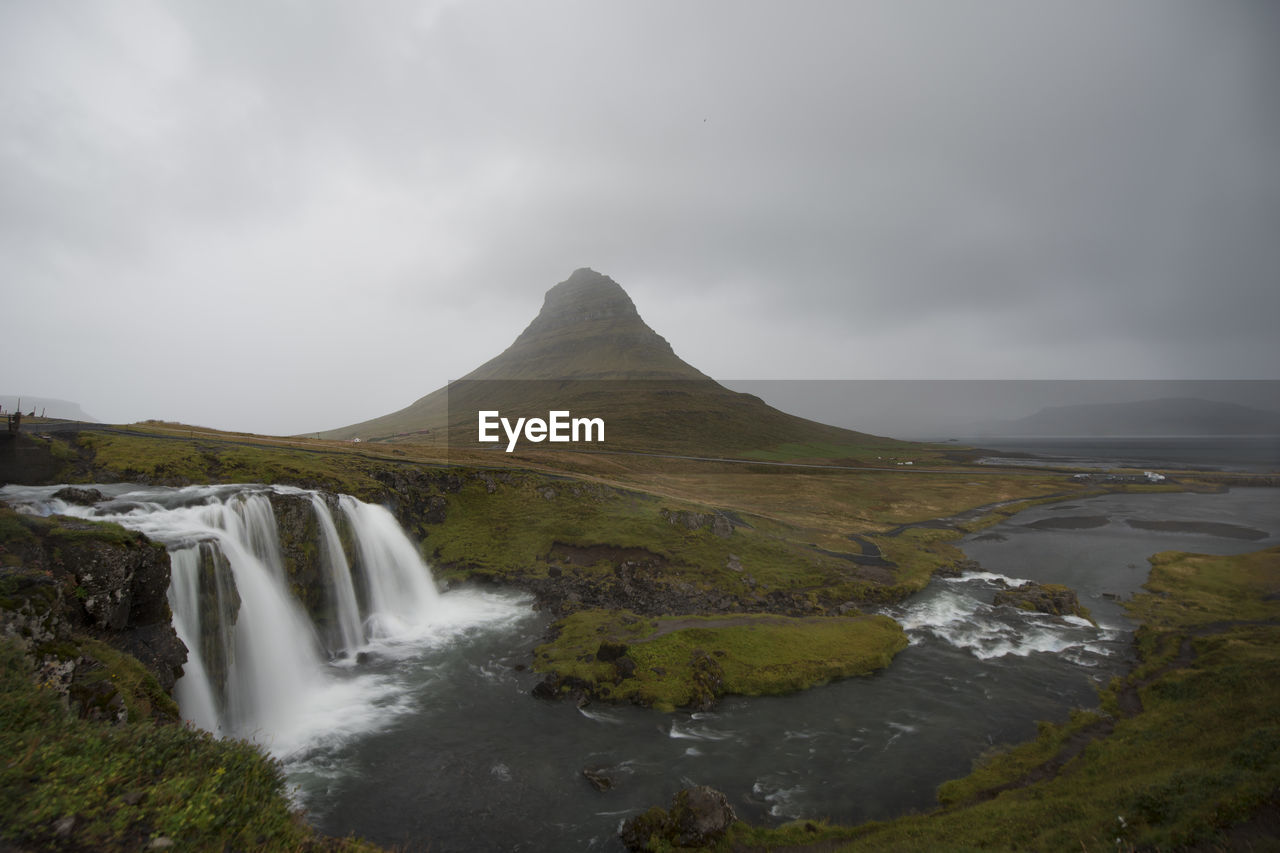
77 495
708 680
299 531
599 778
158 648
437 509
718 523
610 651
699 817
547 688
1053 599
626 667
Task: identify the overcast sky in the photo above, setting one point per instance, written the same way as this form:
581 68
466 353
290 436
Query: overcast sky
290 216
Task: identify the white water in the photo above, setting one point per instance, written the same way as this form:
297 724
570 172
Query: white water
338 576
956 613
287 683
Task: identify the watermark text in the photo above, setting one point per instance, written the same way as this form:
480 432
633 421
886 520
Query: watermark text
559 426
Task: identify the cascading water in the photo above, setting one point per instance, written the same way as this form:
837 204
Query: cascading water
399 596
337 572
260 665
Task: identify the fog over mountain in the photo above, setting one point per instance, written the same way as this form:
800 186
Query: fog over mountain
44 406
276 218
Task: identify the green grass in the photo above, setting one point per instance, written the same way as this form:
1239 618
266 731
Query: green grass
868 450
181 461
18 527
512 532
676 659
117 787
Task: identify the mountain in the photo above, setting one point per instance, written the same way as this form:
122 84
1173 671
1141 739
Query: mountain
46 406
1170 416
589 352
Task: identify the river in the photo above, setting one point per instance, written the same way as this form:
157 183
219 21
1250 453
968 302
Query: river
482 766
432 740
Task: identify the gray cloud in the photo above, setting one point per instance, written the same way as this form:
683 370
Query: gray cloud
254 215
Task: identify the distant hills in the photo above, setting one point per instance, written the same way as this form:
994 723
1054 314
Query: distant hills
588 351
47 406
1172 416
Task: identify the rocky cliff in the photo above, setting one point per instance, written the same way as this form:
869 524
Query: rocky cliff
82 597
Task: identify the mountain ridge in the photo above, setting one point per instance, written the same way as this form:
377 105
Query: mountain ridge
589 350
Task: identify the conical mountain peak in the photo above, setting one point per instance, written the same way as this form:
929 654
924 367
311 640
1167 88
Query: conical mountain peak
588 328
584 296
589 351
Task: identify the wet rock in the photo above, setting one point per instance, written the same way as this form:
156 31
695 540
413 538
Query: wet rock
699 817
79 496
158 648
599 777
547 688
1053 599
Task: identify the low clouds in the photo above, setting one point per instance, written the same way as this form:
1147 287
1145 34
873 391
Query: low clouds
284 218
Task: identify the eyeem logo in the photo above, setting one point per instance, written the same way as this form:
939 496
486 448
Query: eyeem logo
557 427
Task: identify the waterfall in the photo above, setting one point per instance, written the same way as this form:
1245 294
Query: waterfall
402 595
337 574
193 691
273 656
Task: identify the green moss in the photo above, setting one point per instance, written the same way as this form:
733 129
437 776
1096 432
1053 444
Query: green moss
143 697
682 661
127 784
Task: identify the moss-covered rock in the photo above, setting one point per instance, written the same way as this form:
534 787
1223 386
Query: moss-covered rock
1054 599
64 580
699 817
